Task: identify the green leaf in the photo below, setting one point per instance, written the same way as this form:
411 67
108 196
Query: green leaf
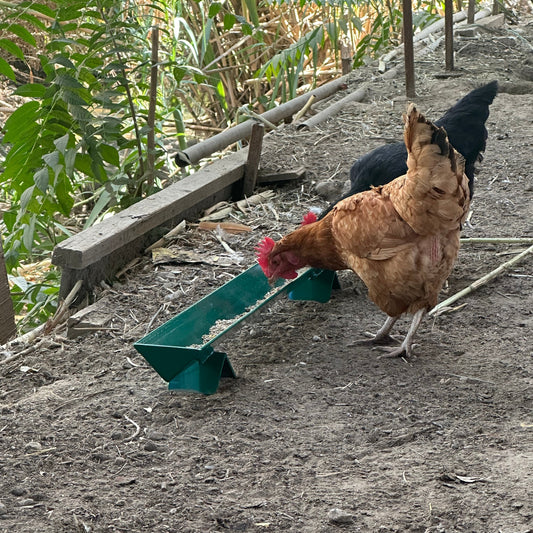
83 164
25 199
61 143
12 48
99 206
64 196
17 124
358 24
252 10
23 33
70 97
214 8
199 78
70 161
27 236
110 154
179 73
33 20
6 70
67 81
52 159
42 179
229 21
63 61
31 90
41 8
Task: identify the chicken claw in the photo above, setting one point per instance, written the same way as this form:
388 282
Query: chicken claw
406 348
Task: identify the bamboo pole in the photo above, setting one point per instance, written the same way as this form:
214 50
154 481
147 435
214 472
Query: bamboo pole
497 240
481 281
193 154
333 109
434 28
150 135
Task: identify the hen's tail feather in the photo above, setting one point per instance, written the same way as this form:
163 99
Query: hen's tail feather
434 193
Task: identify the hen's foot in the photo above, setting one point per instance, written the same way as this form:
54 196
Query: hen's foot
379 339
406 347
401 351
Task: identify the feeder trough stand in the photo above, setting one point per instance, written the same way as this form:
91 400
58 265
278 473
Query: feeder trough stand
178 350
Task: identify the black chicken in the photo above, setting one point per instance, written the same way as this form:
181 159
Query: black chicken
465 125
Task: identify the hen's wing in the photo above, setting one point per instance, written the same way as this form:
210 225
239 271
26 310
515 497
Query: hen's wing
368 226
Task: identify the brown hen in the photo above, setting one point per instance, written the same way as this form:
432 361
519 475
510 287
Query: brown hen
402 238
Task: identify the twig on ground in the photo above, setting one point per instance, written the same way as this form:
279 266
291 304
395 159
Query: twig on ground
137 428
497 240
481 281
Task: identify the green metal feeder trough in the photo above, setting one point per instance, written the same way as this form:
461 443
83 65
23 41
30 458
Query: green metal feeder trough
181 350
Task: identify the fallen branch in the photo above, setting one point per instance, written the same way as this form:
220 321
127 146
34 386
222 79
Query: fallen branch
22 353
497 240
45 328
63 309
137 429
180 228
304 109
481 281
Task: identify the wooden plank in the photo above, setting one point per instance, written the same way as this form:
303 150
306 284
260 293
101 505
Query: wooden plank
97 242
7 316
254 156
272 177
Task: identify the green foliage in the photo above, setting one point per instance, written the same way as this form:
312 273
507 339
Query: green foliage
35 302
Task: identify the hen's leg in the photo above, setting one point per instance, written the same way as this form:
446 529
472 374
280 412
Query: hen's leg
406 348
382 335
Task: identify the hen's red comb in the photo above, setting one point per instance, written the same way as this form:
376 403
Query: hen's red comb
309 218
262 251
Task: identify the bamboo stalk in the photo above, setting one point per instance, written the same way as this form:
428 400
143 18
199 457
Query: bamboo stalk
193 154
150 136
333 109
481 281
497 240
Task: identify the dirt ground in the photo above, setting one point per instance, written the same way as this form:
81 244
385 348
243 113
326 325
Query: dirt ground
315 434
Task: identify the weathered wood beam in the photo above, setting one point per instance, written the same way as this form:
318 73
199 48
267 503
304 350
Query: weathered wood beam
273 177
98 252
254 156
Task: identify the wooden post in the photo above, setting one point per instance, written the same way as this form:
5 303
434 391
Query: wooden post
471 11
346 57
254 156
408 49
448 33
7 316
